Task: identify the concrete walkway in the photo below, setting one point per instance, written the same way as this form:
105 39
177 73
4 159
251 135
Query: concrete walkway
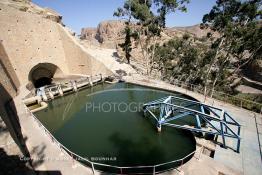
47 157
10 154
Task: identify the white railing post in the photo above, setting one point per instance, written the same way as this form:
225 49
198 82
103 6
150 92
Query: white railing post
154 170
181 165
93 168
90 81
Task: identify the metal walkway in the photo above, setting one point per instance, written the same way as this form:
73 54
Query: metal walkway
175 112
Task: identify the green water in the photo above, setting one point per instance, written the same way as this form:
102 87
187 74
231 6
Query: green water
125 137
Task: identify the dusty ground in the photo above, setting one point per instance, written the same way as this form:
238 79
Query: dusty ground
109 58
248 89
11 158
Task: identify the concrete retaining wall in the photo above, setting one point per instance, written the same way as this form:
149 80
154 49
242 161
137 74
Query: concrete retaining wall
29 39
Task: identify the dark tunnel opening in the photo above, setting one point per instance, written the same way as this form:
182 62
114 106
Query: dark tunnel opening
42 82
43 73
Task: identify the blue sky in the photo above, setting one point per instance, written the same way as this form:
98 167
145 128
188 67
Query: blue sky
88 13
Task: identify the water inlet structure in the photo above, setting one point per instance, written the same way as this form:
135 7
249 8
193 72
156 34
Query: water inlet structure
217 122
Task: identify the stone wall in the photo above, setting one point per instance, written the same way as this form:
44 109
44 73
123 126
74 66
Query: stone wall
8 89
78 59
30 39
8 78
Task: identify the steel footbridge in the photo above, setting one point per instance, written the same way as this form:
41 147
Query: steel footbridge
193 116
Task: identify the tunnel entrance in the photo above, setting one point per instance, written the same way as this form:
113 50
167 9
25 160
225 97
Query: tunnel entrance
43 73
42 82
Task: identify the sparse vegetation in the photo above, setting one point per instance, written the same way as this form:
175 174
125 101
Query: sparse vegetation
148 24
212 62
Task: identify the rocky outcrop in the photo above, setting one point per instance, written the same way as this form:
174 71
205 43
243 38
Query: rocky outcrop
28 6
88 33
52 15
107 33
110 31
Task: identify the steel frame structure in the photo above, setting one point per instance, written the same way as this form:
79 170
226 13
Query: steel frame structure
217 121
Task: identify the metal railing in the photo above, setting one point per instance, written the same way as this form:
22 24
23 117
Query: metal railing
90 78
95 166
222 96
218 95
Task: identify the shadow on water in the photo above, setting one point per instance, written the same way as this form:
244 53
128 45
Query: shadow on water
131 153
128 150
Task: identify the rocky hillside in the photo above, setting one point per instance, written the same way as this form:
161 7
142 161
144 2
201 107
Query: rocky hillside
109 33
195 30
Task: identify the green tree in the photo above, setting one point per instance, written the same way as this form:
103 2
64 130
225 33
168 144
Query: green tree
127 45
180 59
148 23
238 26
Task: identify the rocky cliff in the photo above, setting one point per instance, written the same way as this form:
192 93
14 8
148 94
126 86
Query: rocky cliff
109 33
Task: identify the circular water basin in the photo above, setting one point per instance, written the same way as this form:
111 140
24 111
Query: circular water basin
105 124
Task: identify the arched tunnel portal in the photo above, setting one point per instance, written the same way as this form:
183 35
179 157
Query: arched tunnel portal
43 73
